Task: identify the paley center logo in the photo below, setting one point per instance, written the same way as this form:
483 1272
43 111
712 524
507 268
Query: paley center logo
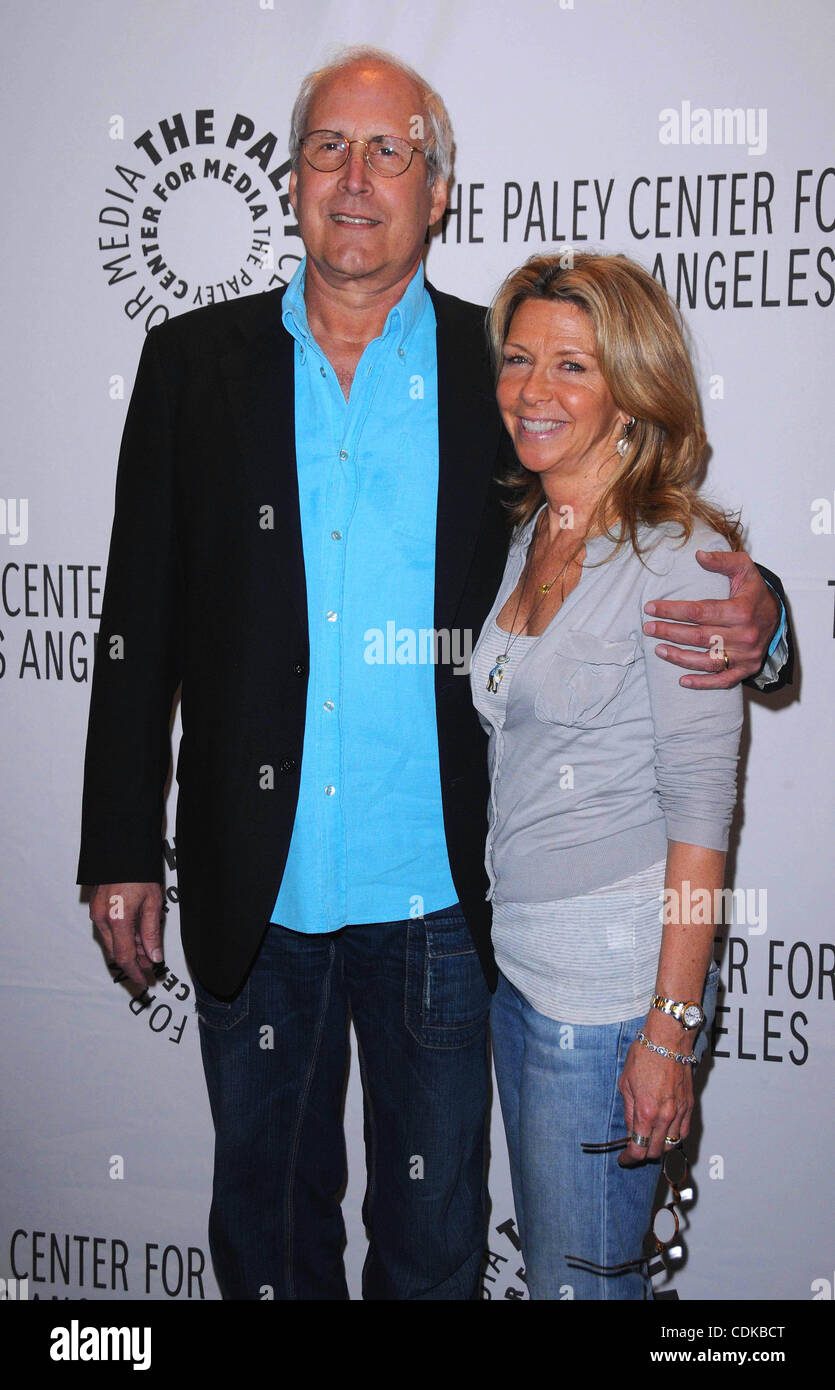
196 211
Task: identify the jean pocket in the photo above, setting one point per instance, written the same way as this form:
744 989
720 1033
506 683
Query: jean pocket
222 1014
447 999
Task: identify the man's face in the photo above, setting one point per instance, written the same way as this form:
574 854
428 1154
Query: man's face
359 228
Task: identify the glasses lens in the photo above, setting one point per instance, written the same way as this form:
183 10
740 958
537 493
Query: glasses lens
389 155
665 1225
325 150
675 1168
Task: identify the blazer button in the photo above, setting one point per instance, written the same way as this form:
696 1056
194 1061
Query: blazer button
288 765
299 669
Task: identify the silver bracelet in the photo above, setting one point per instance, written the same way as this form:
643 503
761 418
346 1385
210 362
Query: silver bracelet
692 1059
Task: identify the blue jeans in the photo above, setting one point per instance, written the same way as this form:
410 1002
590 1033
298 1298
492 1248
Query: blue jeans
558 1089
276 1059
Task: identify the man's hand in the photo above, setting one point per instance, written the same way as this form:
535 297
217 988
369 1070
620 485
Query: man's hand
740 627
128 918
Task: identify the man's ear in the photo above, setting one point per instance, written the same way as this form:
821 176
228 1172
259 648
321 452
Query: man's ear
291 189
439 193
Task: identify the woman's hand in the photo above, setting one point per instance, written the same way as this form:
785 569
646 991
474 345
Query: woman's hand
657 1091
657 1101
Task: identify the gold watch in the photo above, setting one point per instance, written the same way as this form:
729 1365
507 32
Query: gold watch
688 1013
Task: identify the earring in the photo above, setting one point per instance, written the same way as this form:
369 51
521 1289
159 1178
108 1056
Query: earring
623 443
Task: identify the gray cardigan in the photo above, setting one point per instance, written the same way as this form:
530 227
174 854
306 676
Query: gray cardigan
601 756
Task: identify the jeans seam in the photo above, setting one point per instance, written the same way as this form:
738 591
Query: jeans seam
607 1160
294 1149
371 1159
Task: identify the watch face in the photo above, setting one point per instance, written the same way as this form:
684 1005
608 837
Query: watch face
692 1016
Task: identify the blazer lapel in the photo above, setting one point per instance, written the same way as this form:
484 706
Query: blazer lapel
258 376
469 432
258 373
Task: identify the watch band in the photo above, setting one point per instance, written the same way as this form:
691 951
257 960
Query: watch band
679 1009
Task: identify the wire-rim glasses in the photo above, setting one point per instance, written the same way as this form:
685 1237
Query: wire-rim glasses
386 155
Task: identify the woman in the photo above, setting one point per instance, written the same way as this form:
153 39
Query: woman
612 785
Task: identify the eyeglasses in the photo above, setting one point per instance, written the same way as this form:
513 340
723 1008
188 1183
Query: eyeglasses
665 1222
387 155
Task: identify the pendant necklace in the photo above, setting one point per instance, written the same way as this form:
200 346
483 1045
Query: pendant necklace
496 672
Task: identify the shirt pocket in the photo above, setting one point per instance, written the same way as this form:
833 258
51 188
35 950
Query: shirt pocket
584 679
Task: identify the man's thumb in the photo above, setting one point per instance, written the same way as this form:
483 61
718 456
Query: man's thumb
725 561
150 931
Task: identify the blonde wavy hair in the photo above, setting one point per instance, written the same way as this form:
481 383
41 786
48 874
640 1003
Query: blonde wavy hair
641 350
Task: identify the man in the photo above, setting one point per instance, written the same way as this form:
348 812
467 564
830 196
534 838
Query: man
300 473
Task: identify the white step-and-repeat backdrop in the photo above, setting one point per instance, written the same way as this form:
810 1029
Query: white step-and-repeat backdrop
144 167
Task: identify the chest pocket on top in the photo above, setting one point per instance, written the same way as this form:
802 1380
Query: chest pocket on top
584 679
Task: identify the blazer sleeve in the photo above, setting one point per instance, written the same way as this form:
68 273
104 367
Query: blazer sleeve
138 654
786 673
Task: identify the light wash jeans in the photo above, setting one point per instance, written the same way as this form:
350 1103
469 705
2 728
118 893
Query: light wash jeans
558 1090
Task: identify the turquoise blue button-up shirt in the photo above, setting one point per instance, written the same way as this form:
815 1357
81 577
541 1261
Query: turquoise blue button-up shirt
368 841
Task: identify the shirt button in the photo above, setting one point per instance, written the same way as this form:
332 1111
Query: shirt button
323 372
343 453
331 617
328 705
336 535
329 791
401 352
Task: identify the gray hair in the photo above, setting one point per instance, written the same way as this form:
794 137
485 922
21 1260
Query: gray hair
438 144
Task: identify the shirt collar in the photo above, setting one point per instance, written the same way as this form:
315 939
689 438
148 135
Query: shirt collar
293 309
402 319
595 545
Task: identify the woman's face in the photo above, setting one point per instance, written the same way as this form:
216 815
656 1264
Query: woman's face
554 401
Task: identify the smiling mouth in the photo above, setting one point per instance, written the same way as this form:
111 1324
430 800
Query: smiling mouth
528 426
345 220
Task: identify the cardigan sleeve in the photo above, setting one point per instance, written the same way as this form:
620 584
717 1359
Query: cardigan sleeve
696 732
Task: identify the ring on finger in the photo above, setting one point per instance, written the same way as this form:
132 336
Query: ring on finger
642 1140
673 1139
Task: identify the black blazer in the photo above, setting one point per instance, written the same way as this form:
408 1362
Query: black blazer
202 591
206 587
